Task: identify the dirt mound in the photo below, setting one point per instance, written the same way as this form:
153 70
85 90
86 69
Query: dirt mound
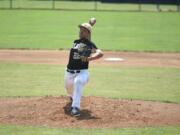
96 112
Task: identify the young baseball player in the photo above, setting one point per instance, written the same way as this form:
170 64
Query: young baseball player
76 76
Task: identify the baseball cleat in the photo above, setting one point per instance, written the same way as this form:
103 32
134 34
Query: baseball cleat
75 111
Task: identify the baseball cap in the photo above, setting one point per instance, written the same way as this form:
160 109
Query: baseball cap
86 26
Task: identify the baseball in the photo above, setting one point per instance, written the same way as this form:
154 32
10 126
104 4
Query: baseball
92 21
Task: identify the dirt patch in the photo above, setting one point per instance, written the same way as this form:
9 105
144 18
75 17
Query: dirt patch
132 59
96 112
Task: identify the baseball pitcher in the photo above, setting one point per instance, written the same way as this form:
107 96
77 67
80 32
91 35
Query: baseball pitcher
76 76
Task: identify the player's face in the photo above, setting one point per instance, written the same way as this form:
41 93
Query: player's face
84 33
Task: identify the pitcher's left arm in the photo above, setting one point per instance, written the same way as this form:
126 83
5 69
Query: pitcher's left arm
96 54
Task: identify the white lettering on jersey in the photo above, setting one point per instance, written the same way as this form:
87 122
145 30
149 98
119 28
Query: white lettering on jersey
77 46
76 56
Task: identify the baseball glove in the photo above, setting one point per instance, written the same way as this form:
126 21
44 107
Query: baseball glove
84 52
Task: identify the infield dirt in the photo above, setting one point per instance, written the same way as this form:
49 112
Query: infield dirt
96 112
132 59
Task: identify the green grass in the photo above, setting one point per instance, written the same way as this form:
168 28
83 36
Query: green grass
161 84
136 83
129 31
31 80
25 130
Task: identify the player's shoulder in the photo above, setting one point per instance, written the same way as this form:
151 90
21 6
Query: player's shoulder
88 42
77 41
91 42
85 41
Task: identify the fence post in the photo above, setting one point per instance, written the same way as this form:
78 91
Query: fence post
53 4
158 5
11 4
95 5
140 5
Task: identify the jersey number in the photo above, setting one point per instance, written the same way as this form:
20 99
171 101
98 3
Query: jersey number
76 56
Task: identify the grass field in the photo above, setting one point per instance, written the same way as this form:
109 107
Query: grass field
127 31
124 83
24 130
128 83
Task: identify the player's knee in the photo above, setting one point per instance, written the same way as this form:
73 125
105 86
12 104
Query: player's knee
78 81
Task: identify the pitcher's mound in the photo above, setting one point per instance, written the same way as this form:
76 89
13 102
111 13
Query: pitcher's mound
96 112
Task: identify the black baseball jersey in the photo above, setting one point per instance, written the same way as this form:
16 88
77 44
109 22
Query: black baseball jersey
75 62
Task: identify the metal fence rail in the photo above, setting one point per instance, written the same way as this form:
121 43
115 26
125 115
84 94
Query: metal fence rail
86 5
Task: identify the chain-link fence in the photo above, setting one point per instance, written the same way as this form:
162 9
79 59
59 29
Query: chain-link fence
88 5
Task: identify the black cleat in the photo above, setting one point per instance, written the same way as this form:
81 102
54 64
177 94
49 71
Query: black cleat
75 111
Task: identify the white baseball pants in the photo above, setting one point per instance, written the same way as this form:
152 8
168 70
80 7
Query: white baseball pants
74 83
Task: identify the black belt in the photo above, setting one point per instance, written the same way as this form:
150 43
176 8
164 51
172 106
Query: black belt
73 71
